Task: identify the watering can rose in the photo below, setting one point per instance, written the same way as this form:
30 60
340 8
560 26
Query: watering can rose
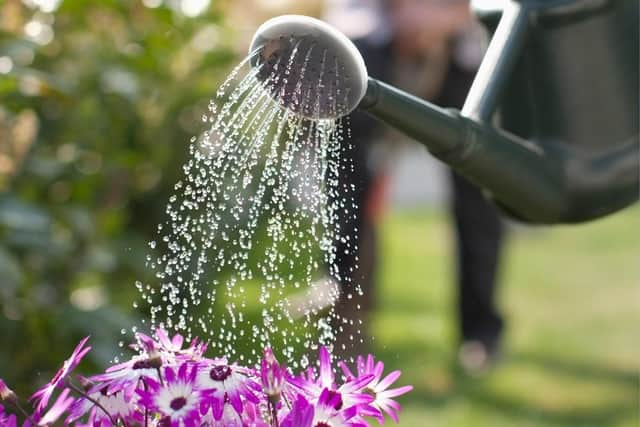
165 384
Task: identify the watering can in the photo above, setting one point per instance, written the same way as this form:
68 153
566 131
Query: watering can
550 126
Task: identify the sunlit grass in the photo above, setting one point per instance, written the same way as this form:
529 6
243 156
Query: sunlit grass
571 351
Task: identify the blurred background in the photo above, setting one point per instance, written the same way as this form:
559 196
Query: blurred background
98 101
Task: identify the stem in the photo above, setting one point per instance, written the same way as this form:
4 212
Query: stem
146 410
19 408
82 393
160 377
274 414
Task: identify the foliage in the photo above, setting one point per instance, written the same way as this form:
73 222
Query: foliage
97 102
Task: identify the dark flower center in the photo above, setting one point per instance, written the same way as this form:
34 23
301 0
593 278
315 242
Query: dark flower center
370 392
143 364
178 403
220 372
152 362
322 424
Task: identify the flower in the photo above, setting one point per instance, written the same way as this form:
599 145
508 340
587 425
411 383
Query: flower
7 420
272 376
252 416
382 398
165 385
350 391
231 383
63 402
329 411
301 414
117 408
126 376
173 346
177 400
42 396
6 394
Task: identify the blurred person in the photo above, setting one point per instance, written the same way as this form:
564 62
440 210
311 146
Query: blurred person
431 48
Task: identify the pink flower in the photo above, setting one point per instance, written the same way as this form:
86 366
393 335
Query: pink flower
272 375
177 400
173 346
231 383
7 420
351 391
301 414
126 376
329 411
63 402
42 396
382 401
117 408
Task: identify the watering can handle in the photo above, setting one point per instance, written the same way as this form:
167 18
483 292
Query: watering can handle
497 64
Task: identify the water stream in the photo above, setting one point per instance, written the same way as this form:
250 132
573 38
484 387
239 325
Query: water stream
246 255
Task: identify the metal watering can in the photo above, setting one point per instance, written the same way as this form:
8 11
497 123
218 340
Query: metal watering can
550 127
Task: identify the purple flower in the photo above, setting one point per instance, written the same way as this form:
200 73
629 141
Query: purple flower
382 401
252 416
166 385
329 411
42 396
117 408
272 376
7 420
351 391
63 402
126 376
231 383
173 346
301 414
177 400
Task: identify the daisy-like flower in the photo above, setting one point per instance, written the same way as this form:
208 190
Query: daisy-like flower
115 405
42 396
63 402
231 383
177 400
329 411
377 387
172 347
126 376
351 391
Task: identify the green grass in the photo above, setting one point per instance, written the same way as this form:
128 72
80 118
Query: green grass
571 351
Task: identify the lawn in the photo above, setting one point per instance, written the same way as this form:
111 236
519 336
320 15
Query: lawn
571 351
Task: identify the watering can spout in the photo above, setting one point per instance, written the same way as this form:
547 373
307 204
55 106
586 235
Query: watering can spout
566 146
538 183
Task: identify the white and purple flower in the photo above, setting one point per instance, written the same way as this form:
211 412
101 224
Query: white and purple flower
378 387
165 385
232 385
42 396
177 399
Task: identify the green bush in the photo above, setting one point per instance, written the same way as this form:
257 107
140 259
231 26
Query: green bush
97 103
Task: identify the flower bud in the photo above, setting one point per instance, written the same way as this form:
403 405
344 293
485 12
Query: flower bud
272 376
7 395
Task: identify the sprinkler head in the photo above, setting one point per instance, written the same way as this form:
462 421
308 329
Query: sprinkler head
309 67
